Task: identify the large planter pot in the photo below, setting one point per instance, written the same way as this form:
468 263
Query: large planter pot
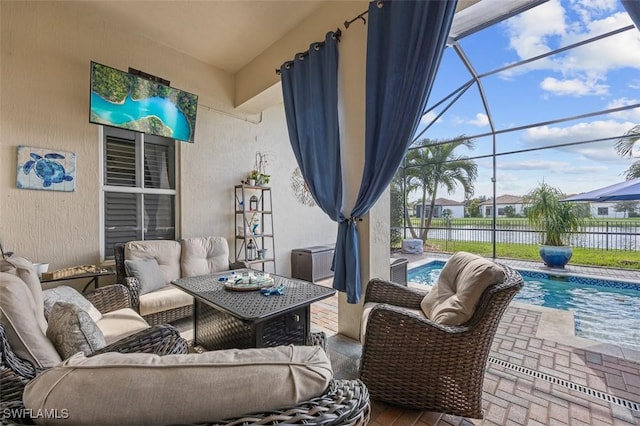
556 256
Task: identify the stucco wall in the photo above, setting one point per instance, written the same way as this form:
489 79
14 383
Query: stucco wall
44 93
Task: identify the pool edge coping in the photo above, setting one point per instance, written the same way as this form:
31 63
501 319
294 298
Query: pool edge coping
557 325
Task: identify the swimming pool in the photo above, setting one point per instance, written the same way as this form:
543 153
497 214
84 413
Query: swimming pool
604 310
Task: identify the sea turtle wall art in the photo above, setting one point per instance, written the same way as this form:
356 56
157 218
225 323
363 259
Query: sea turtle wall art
47 169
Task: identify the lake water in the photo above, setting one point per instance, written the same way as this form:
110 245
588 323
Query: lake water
133 110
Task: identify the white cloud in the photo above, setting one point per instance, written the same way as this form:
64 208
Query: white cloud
582 70
600 152
481 120
534 165
587 9
529 31
621 50
553 167
574 87
550 135
429 117
630 114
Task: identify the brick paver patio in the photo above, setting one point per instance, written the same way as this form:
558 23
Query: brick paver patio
533 380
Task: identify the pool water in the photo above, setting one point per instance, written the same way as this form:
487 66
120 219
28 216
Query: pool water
604 310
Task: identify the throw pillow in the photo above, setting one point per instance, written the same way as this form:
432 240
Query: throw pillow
68 294
148 273
71 330
465 276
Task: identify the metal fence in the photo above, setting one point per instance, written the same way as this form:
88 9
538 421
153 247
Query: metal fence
598 234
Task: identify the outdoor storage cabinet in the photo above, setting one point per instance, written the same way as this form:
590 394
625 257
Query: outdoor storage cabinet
312 263
398 270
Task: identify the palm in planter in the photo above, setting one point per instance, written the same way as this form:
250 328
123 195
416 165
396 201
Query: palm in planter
555 220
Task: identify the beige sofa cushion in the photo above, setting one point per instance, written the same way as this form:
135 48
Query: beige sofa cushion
465 276
17 316
116 325
164 299
26 272
204 255
181 389
165 252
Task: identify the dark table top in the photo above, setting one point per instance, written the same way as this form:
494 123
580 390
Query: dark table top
253 305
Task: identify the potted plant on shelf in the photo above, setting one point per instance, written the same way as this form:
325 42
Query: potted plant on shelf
555 220
253 177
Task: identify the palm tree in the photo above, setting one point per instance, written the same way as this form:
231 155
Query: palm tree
435 165
624 147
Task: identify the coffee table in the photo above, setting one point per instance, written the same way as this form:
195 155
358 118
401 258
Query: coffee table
225 319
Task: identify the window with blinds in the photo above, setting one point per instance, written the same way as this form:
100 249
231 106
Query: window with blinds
139 188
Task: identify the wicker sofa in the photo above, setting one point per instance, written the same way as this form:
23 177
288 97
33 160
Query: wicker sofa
343 402
411 360
175 259
151 364
24 325
45 340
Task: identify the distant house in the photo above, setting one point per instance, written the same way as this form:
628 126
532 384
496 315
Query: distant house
503 201
605 209
455 207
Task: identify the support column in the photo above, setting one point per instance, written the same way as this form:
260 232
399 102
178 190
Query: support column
374 228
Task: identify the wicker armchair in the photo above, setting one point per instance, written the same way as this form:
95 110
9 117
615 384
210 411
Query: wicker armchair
345 402
411 361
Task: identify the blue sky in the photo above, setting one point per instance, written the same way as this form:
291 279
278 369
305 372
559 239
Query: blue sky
598 76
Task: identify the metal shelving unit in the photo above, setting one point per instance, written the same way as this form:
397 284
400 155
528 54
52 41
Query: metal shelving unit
254 221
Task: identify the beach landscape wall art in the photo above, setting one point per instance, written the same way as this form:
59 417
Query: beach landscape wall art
46 169
124 100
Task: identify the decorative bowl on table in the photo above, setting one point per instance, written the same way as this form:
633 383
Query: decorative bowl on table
249 282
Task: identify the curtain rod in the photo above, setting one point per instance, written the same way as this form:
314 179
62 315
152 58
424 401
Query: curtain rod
336 34
361 16
380 5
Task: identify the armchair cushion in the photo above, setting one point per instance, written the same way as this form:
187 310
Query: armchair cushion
147 271
462 281
166 298
72 330
121 323
17 316
68 294
204 255
202 387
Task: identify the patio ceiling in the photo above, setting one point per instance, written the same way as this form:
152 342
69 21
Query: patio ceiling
230 34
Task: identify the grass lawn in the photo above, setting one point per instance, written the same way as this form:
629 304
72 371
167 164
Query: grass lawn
625 259
581 256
